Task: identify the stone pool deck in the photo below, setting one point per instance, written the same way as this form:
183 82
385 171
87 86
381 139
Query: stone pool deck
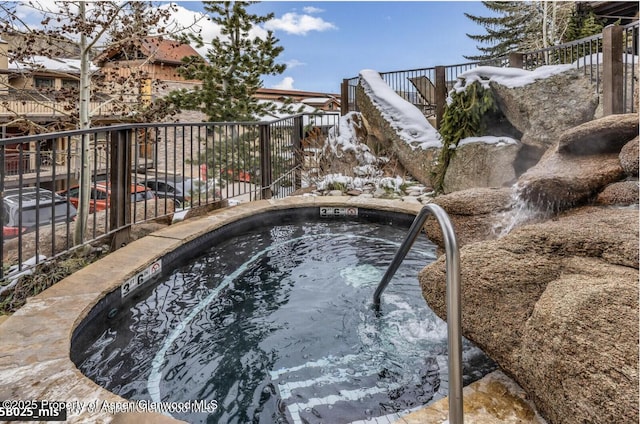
35 342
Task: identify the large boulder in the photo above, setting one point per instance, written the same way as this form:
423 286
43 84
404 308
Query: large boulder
629 158
555 304
604 135
479 163
397 127
560 181
590 304
587 159
545 108
622 193
476 214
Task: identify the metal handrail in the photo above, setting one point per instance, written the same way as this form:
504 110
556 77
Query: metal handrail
454 315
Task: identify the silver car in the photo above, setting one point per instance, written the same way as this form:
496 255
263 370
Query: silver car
24 209
181 190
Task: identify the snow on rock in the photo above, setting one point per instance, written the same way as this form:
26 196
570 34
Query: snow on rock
407 120
498 141
343 138
345 183
391 183
509 77
332 181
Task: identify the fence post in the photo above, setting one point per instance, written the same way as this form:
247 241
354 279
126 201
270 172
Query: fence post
266 177
3 165
298 154
344 97
120 184
612 78
516 60
441 93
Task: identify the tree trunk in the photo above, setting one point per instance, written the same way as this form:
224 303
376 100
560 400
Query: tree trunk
85 122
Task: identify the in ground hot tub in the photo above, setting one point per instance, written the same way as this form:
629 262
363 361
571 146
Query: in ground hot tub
268 318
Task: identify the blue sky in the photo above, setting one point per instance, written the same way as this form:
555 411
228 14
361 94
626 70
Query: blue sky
326 41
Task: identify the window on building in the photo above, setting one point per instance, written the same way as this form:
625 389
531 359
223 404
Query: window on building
70 84
43 82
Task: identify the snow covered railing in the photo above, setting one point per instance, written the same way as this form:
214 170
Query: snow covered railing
598 55
404 83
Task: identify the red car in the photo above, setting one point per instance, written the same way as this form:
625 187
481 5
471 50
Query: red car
242 176
9 232
101 192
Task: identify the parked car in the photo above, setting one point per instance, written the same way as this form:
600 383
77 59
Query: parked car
23 209
177 188
101 193
238 175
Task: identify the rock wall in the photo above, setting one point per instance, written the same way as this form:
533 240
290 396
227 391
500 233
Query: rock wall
480 164
475 214
555 302
546 108
585 160
556 306
384 139
539 111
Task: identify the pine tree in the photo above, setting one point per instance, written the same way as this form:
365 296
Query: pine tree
506 32
230 77
591 25
235 64
521 26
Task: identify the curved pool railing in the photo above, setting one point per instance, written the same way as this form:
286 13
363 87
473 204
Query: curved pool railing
454 315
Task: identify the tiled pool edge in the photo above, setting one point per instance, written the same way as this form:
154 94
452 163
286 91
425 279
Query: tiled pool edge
36 340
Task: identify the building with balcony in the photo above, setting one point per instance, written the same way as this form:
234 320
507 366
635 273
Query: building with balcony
40 94
153 60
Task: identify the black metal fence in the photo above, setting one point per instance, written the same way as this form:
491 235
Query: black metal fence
417 86
420 86
137 173
589 54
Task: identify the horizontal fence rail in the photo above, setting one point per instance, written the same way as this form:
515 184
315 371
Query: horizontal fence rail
139 172
418 86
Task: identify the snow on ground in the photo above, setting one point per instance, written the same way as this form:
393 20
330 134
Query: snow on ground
598 58
368 173
408 121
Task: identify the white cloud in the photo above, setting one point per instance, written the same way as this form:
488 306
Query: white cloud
294 23
285 84
32 13
311 9
194 21
294 63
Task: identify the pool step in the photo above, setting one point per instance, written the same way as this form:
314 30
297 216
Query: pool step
346 389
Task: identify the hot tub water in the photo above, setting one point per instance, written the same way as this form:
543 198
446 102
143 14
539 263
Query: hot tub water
276 325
